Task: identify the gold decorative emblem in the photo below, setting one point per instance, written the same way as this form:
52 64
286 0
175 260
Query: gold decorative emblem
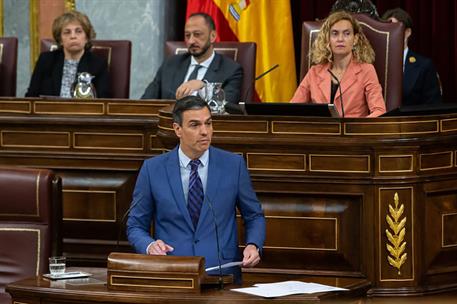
396 235
412 59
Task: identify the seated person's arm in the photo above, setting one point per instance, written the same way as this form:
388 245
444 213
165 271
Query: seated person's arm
153 90
188 87
431 88
303 92
35 81
102 81
373 93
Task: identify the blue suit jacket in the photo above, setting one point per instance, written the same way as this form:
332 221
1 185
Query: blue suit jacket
159 197
420 81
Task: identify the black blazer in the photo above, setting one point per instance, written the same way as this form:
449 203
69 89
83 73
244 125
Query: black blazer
47 75
172 72
420 81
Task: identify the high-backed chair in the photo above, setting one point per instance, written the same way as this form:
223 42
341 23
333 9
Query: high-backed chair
8 66
118 53
387 42
242 52
30 217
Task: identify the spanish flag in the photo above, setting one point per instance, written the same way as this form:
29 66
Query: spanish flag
269 24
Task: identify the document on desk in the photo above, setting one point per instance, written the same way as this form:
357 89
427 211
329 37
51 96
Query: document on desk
280 289
228 265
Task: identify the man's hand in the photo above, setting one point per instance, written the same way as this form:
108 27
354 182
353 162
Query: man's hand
159 248
251 256
188 88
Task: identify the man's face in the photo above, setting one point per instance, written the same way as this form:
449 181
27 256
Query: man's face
195 132
198 37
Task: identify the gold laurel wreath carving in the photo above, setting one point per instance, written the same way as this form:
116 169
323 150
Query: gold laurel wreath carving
396 235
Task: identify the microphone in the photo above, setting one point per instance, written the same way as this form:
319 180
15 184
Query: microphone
257 78
122 221
221 281
339 87
267 71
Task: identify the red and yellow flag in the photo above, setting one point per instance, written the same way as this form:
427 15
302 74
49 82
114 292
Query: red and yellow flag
269 24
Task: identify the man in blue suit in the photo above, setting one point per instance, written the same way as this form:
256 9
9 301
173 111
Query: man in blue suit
178 189
420 80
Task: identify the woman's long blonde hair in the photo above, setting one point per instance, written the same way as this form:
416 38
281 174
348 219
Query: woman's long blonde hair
321 52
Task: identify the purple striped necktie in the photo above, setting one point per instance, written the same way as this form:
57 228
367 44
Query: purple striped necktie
195 194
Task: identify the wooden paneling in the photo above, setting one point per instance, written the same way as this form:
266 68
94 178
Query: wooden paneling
441 230
34 139
276 162
327 185
313 229
437 160
339 163
395 163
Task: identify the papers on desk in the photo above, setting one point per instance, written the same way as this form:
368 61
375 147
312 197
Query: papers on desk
67 275
280 289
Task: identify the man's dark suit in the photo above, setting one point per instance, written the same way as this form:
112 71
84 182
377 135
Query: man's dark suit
173 71
420 81
47 75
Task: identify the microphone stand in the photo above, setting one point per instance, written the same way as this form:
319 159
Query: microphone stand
221 281
339 87
121 223
257 78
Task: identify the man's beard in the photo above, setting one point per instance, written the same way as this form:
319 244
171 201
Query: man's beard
197 54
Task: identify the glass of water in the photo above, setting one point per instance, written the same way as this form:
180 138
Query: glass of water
214 95
57 265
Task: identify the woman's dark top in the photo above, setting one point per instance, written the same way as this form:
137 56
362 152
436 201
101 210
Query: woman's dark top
47 75
333 89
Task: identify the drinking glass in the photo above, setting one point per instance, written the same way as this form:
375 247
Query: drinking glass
57 265
214 95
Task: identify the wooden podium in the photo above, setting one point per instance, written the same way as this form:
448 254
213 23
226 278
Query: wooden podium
139 272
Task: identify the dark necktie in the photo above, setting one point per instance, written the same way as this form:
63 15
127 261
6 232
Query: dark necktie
194 73
195 194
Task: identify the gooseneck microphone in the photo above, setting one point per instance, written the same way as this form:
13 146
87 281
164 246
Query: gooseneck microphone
221 280
257 78
339 87
122 221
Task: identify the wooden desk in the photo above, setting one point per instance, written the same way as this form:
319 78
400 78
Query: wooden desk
327 185
39 290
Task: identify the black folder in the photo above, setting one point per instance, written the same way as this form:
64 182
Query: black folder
424 109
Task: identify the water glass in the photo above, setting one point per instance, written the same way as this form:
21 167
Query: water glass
57 265
214 95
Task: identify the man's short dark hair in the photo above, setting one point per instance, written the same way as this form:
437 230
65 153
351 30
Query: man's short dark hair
208 19
188 103
401 15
